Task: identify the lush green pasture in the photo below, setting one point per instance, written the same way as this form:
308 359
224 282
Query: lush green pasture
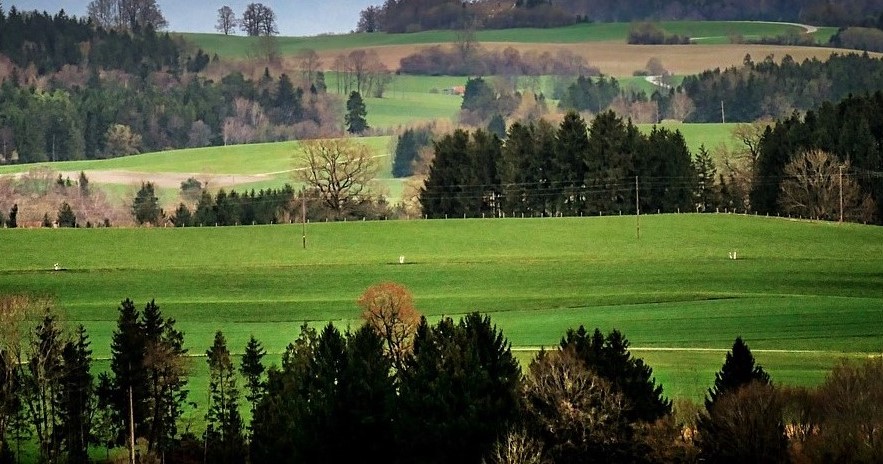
813 287
242 47
246 159
710 135
410 108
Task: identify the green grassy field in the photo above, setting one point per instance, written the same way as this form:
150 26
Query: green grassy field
811 290
256 158
273 162
242 47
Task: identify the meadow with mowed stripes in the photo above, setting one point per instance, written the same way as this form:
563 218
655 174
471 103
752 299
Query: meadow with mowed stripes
802 294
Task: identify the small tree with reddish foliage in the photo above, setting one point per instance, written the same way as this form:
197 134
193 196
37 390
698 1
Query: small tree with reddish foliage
389 309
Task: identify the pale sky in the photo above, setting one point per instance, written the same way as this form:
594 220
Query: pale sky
295 17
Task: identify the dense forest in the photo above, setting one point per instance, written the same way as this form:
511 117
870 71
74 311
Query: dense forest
826 164
572 170
74 90
417 15
846 139
769 88
49 43
104 114
400 389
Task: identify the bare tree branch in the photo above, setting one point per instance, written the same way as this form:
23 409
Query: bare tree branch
338 170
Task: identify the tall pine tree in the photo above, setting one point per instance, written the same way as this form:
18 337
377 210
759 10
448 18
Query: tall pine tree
77 397
252 369
224 440
355 114
739 369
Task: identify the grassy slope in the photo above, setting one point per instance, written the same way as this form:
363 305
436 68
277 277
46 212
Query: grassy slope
799 286
241 47
257 158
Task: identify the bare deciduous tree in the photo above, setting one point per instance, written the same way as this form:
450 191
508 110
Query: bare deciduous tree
309 63
682 106
577 412
812 188
226 21
745 425
126 14
104 13
388 308
517 447
258 20
339 170
749 135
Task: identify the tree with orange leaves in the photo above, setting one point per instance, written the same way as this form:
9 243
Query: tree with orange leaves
389 309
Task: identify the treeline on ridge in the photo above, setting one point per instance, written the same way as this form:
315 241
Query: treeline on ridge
419 15
49 43
404 390
775 89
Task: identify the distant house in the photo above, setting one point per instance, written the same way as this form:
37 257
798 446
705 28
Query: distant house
458 90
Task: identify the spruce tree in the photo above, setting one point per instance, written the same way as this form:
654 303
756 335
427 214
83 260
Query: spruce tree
252 369
12 220
77 395
497 126
366 399
166 371
739 369
442 193
706 193
224 440
482 189
66 216
458 393
571 150
277 422
42 384
128 375
355 114
182 217
83 183
145 206
405 154
610 358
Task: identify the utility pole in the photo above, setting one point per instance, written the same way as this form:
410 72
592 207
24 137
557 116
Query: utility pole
303 216
637 209
841 191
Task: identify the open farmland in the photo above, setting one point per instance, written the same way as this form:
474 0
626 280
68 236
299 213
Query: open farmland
243 47
271 165
602 44
808 291
240 167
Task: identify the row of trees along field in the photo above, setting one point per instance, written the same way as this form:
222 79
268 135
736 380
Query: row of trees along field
572 170
399 389
418 15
